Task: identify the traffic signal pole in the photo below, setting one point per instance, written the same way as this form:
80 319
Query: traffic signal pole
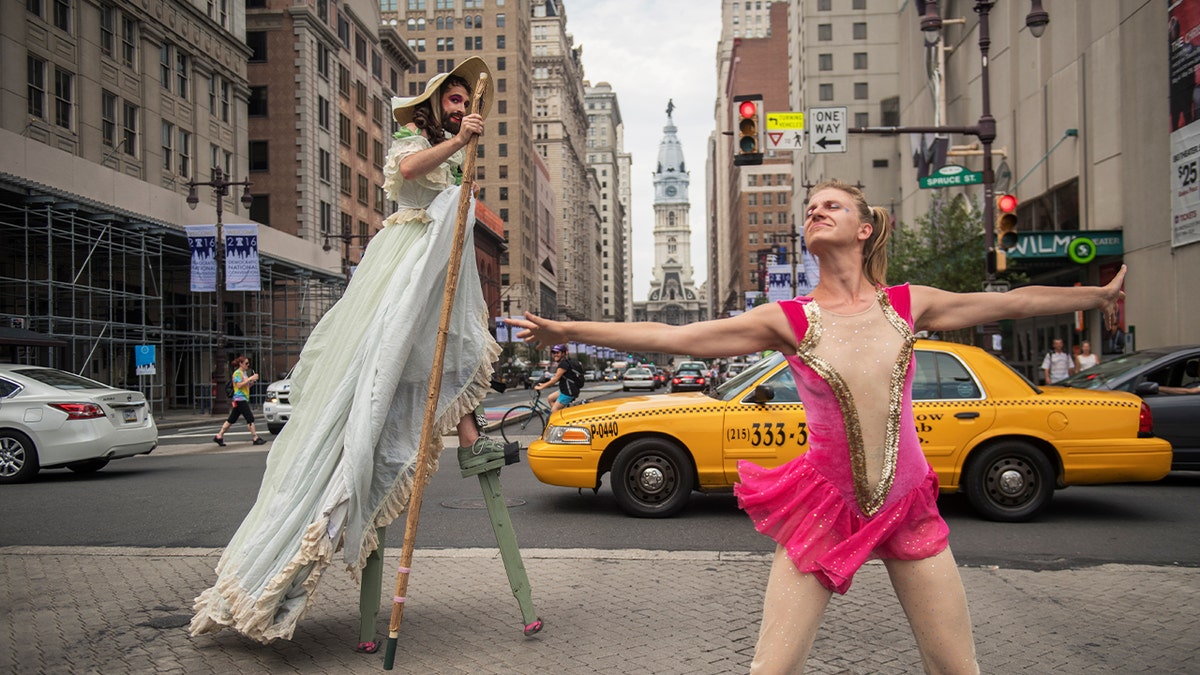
985 128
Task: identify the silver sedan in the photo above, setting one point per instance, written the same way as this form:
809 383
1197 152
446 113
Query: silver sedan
51 419
638 378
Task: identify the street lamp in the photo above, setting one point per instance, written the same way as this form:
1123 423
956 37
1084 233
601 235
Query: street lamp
985 128
220 185
346 238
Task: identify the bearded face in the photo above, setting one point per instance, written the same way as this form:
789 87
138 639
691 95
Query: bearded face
454 106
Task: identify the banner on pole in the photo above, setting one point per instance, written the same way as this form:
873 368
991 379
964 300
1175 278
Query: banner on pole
143 358
202 242
241 258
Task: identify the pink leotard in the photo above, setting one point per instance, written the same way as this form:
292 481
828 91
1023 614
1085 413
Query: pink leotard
864 489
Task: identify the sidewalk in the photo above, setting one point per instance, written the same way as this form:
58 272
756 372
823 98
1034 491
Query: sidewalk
125 610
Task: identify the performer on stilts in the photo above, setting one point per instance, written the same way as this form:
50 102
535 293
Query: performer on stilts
344 464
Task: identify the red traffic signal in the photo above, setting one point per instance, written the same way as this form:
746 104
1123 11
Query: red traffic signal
1006 221
750 122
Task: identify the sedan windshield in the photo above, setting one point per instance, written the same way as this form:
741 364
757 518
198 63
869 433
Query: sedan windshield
1102 374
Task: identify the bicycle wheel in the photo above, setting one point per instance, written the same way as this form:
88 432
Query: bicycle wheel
521 420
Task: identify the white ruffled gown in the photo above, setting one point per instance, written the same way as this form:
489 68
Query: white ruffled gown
344 463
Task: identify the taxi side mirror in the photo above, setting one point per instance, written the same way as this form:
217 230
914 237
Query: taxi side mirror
764 393
1147 388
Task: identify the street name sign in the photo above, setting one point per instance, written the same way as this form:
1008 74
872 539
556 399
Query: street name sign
949 176
827 130
785 130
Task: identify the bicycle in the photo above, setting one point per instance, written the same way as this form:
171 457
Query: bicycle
521 417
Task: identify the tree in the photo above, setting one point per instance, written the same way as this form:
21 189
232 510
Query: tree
943 248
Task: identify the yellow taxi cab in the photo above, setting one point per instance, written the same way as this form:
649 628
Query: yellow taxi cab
985 429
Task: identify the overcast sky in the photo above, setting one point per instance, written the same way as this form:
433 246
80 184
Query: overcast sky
651 51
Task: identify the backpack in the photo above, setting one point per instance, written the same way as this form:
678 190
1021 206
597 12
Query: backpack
572 379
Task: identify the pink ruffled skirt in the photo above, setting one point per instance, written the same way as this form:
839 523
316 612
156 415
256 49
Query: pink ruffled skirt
824 534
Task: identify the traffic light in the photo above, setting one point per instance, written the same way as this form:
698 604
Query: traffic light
748 136
1006 221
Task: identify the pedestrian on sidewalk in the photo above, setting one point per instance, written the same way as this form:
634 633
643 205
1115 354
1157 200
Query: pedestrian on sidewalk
864 489
243 377
344 464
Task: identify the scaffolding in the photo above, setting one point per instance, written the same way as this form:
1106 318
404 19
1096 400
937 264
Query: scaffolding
107 283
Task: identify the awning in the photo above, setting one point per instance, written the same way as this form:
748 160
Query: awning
28 338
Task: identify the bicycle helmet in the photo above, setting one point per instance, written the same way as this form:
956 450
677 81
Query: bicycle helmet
559 349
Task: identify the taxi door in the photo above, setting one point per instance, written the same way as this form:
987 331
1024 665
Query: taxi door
948 410
768 432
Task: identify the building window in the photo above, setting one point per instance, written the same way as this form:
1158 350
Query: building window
343 30
500 20
108 29
164 65
360 96
501 43
62 14
377 154
323 162
224 100
129 42
324 116
360 138
345 186
36 79
501 63
64 83
182 75
860 60
130 129
825 61
185 153
858 4
889 110
323 60
825 92
823 5
364 190
326 217
360 49
343 81
824 32
212 95
860 30
168 145
108 118
256 40
257 105
860 91
344 129
260 209
259 156
862 119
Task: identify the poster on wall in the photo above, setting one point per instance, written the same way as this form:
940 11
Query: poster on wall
1183 35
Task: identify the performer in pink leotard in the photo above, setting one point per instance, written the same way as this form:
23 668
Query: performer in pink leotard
864 489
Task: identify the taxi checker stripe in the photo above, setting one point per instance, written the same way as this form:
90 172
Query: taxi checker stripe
689 409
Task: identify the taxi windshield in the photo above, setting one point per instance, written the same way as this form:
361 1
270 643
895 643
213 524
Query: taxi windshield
729 389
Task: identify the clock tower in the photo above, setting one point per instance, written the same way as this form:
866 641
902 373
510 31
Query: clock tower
673 298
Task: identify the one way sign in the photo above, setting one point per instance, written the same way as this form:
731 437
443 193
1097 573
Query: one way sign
826 130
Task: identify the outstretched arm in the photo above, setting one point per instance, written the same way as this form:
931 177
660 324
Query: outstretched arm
936 310
764 327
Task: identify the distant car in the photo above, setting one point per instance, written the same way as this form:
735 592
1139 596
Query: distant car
278 406
52 419
688 378
1176 416
591 375
638 378
698 365
985 429
732 370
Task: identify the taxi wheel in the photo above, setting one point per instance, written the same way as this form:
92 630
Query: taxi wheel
1010 482
652 478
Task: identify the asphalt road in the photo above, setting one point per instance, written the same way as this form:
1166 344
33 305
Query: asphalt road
197 499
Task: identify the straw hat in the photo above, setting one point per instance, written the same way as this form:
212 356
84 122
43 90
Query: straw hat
469 70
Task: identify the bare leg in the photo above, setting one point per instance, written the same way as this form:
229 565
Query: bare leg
792 610
253 433
467 432
932 595
224 427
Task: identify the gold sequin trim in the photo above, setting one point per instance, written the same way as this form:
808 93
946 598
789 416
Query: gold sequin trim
869 501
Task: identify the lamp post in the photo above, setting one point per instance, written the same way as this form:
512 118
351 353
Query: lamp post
985 128
220 185
346 237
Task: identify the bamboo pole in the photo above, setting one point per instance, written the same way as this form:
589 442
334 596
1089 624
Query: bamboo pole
428 430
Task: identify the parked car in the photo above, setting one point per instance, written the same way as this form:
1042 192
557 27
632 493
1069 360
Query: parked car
1176 416
278 406
637 378
52 419
591 376
985 429
688 378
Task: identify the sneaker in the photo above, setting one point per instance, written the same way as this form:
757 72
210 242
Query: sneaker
260 440
219 441
483 451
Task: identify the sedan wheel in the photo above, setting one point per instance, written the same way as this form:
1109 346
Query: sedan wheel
18 457
652 478
1010 482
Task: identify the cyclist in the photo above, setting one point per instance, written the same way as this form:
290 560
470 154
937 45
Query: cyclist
568 374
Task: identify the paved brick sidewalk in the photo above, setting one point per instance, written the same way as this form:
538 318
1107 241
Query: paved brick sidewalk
118 610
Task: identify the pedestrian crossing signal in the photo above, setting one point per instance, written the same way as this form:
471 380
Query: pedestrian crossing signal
749 118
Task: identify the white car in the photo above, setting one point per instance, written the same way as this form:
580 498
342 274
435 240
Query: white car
278 406
52 419
638 378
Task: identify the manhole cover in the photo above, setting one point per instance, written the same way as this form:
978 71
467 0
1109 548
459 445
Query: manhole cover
478 503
